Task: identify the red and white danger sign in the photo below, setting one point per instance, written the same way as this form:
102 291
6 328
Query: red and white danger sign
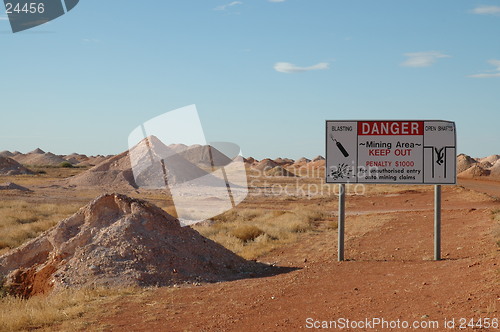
412 152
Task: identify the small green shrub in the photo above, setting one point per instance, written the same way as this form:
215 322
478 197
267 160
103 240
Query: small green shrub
66 164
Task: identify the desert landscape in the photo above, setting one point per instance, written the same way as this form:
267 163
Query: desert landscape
233 165
83 247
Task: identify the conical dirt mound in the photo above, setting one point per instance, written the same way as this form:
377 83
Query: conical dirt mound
495 169
316 164
37 151
283 161
473 172
491 159
464 162
265 165
6 153
94 160
9 166
118 241
12 186
115 172
204 156
154 165
39 159
301 162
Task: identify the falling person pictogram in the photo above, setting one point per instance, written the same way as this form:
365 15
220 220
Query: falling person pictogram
440 156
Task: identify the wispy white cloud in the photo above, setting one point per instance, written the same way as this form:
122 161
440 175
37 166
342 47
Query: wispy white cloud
485 75
491 73
423 59
231 4
91 40
495 63
487 10
4 18
277 0
289 68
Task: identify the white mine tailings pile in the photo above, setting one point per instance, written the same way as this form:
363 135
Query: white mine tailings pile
9 166
118 241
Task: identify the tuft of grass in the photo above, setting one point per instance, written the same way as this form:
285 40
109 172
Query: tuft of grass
299 227
332 225
246 232
39 312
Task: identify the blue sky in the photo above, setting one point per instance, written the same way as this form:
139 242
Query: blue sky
263 74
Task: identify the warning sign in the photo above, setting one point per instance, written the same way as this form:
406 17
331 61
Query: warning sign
412 152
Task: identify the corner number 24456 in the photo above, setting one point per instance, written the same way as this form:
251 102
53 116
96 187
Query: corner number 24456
27 8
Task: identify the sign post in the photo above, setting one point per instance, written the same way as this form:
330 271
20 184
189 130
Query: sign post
391 152
437 222
341 225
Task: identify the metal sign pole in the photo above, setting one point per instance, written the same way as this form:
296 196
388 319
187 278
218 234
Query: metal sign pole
341 225
437 222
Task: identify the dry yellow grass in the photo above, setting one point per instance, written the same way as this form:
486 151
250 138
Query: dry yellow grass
254 232
21 221
247 232
43 311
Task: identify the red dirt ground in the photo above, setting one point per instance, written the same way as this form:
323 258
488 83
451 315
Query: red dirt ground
389 274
